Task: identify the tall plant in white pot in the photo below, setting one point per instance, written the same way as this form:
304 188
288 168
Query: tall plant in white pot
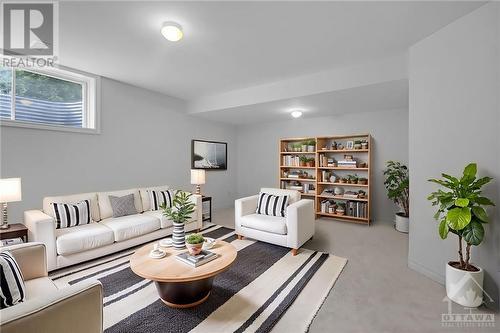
461 212
397 183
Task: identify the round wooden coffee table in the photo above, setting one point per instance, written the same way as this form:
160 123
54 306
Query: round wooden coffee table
179 284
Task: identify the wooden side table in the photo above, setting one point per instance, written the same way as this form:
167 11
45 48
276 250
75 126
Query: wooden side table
208 200
15 230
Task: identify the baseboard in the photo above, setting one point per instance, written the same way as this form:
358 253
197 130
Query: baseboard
439 278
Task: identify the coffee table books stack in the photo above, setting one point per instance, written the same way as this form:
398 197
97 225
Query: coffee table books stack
197 260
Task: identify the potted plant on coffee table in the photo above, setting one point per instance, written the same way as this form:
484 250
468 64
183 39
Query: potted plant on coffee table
397 183
180 213
461 212
194 244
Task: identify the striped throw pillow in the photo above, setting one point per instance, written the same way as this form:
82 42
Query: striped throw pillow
159 198
272 205
12 290
71 215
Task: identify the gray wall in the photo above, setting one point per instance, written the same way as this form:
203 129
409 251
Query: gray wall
454 120
258 159
145 140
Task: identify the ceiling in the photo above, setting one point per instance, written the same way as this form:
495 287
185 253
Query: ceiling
375 97
232 45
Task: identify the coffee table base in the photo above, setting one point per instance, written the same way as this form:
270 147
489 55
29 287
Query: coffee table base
184 294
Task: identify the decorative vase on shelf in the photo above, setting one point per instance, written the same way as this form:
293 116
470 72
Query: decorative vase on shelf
179 236
333 179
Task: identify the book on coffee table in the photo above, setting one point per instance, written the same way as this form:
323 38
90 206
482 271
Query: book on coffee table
198 260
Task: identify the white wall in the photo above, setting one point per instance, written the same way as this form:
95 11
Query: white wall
454 120
258 159
145 140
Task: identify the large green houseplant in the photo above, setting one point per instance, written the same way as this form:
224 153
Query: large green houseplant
180 212
397 184
461 211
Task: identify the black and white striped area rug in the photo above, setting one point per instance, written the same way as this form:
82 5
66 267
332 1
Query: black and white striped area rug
265 289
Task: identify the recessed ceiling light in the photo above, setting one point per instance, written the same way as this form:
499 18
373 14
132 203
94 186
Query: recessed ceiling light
172 31
296 114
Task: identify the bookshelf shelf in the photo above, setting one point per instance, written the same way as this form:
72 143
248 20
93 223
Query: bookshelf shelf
357 210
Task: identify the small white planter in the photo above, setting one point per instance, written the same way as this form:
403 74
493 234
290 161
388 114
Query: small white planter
310 148
402 223
464 287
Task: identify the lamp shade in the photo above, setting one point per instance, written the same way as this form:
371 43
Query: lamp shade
10 189
197 177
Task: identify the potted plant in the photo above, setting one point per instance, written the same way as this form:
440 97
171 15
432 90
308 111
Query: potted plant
364 144
180 212
397 183
296 147
461 212
304 146
340 208
361 194
310 162
362 181
311 145
343 180
357 144
303 160
194 244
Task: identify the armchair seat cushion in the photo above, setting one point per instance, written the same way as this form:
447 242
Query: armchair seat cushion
272 224
165 222
130 226
39 287
83 238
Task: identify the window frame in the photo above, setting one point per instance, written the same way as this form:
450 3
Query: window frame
91 101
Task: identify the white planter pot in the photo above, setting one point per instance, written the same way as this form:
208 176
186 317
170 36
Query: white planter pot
402 223
310 148
464 287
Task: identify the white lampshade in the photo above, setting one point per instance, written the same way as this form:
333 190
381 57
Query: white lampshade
10 189
197 177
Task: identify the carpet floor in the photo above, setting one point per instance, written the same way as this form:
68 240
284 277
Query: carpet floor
266 289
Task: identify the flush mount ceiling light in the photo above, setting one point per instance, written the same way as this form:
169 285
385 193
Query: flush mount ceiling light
172 31
296 114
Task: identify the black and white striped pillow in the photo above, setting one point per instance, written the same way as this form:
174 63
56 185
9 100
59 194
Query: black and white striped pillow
273 205
12 290
71 215
159 198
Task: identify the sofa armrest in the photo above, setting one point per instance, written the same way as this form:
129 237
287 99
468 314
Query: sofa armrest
31 259
198 210
242 207
299 222
75 309
42 228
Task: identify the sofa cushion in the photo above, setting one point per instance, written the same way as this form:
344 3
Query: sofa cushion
73 199
165 221
145 195
293 196
83 238
40 287
71 215
272 224
13 290
105 209
131 226
123 206
272 205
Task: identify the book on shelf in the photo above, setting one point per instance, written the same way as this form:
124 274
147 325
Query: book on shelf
357 209
198 260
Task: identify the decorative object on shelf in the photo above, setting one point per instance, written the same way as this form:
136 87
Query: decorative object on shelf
333 178
340 210
194 244
198 179
362 181
334 146
10 191
303 160
357 144
340 146
311 146
209 155
338 191
310 162
364 144
363 165
397 183
343 180
180 212
349 145
296 147
461 211
361 194
304 146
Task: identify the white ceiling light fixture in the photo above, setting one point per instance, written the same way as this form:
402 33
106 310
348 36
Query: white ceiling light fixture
172 31
296 114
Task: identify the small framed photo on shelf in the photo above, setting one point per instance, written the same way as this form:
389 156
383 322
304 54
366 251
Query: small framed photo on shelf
349 145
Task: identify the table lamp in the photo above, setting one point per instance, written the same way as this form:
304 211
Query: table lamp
197 178
10 191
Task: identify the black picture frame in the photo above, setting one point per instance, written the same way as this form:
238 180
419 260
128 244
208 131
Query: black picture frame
208 155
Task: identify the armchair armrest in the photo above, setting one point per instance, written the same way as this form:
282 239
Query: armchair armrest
300 222
75 309
42 228
31 259
242 207
198 210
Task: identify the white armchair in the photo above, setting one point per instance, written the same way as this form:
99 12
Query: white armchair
292 231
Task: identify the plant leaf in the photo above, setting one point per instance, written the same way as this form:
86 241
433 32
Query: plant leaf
480 213
459 217
443 229
470 170
462 202
484 201
473 233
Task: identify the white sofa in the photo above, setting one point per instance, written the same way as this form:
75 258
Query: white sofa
292 231
105 234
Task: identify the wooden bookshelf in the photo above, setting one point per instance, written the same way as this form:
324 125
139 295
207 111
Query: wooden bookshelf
292 153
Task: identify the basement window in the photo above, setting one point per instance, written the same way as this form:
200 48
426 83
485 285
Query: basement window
54 99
